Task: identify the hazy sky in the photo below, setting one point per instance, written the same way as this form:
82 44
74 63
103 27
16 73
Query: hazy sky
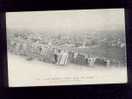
70 20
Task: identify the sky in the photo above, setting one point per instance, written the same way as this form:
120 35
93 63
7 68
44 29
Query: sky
67 20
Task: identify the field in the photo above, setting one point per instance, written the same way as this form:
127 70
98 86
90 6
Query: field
35 73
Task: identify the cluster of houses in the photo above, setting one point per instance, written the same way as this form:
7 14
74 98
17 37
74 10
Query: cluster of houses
59 54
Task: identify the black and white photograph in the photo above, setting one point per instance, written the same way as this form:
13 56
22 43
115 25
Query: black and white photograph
66 47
